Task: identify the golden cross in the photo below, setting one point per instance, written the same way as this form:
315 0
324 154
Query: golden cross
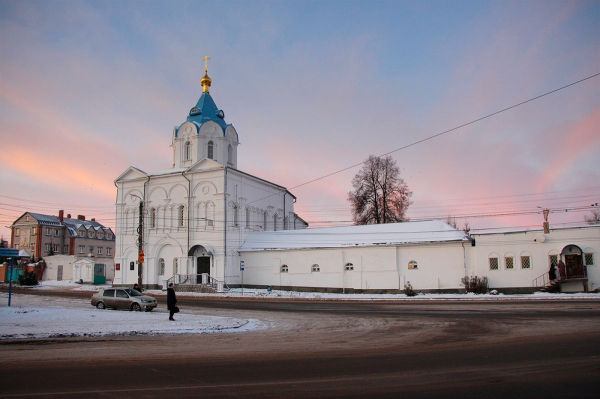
205 59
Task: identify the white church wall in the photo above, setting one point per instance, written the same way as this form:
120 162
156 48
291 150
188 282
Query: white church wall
539 247
432 266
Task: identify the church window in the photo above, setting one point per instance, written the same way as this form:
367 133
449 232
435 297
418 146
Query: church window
509 262
188 150
247 217
554 260
161 267
349 267
284 268
316 268
153 217
230 155
265 221
525 261
413 264
181 218
210 149
235 215
275 222
493 259
175 266
589 259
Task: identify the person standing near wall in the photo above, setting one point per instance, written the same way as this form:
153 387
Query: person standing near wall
171 301
562 270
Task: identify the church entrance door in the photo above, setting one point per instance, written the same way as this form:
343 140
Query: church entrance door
202 266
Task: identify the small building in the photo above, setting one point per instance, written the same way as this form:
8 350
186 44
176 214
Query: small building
46 235
89 270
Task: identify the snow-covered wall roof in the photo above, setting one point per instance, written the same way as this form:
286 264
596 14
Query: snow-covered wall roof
335 237
512 230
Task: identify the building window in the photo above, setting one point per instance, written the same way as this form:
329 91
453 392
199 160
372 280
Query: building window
589 259
161 267
108 236
32 246
349 267
230 155
235 215
553 260
81 233
284 268
265 221
509 261
275 222
188 151
175 266
81 249
47 231
132 265
316 268
493 263
55 248
66 249
16 246
525 262
109 251
99 250
90 234
56 232
100 234
248 217
17 231
27 218
153 217
412 264
34 231
181 219
210 149
46 247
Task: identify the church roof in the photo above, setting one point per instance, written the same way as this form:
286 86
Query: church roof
433 231
206 110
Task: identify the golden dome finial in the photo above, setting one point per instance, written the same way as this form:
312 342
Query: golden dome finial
206 81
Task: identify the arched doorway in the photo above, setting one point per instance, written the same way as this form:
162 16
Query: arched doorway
573 258
203 256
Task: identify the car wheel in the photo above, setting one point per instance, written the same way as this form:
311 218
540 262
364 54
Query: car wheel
100 305
136 307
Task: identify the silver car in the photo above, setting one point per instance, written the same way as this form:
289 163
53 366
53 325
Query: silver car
123 298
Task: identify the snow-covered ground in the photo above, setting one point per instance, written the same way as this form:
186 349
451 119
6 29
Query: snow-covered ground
42 317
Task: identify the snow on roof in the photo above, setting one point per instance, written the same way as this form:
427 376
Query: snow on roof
369 235
530 229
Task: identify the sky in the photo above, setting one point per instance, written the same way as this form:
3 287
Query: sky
89 88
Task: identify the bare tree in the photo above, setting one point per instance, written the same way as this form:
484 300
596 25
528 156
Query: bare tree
594 219
380 194
451 220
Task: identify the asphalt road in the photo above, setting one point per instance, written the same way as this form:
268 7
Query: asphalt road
541 349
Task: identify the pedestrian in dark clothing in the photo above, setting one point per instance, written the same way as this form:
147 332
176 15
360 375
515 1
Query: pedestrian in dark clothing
562 270
137 288
171 301
552 272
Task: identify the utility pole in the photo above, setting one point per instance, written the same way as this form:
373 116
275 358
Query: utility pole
140 231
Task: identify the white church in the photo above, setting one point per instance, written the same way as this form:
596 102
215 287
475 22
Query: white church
207 224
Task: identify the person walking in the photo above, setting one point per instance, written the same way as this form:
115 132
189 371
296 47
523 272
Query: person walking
171 301
562 270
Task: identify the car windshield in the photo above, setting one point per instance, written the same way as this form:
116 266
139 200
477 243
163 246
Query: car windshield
132 292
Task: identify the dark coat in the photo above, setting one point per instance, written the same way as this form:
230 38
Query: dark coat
171 298
562 270
552 272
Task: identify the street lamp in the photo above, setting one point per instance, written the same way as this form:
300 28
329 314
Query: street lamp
140 231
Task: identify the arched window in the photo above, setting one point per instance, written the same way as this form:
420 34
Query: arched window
413 264
210 149
349 267
161 267
316 268
275 222
509 261
265 221
181 218
588 257
235 215
248 218
493 260
175 266
284 268
188 150
153 217
525 260
230 154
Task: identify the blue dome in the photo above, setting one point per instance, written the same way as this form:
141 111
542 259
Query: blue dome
206 110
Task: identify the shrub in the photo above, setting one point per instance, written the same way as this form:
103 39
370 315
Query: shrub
408 290
29 278
476 285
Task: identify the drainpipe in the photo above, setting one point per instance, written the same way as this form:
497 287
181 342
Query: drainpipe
225 227
188 214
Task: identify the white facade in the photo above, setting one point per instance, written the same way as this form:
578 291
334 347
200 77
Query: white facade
347 259
198 213
76 269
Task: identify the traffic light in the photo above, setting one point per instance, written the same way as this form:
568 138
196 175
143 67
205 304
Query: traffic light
141 257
